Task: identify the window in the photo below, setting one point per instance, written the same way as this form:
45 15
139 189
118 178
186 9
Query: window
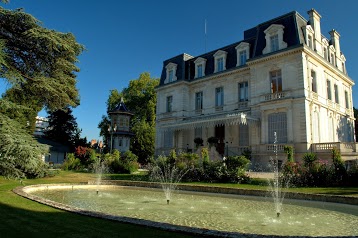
346 99
344 68
336 96
169 103
243 92
243 57
276 81
220 61
242 53
198 132
243 135
313 81
329 93
171 73
120 142
219 97
168 139
277 122
325 54
274 43
200 70
199 101
332 58
220 64
274 39
310 41
200 64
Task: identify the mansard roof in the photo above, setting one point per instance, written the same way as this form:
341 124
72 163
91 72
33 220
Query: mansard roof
293 36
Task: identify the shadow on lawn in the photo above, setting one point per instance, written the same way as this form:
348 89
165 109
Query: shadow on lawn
17 222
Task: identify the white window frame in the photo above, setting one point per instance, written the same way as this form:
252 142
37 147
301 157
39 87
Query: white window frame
332 55
244 91
242 47
171 68
329 90
325 45
336 93
218 55
309 36
271 31
313 81
219 97
200 61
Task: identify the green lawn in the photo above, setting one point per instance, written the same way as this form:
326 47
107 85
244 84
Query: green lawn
21 217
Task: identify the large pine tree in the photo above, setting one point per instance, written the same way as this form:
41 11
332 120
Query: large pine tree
39 66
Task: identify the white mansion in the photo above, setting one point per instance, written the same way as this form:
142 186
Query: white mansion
283 77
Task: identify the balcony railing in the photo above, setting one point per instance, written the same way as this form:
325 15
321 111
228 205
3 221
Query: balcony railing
341 146
276 96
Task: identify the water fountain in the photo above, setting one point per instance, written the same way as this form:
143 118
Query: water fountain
99 168
277 183
168 175
204 213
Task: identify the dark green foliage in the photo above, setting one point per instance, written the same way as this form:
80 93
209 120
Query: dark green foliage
39 66
140 98
198 141
117 163
63 129
247 153
309 159
212 140
315 172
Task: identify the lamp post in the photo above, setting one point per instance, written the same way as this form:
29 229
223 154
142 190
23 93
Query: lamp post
111 130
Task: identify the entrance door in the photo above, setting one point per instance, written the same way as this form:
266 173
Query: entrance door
220 134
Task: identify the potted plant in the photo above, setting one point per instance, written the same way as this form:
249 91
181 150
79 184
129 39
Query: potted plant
213 141
198 141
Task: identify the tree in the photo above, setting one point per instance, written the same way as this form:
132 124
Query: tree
63 128
39 65
140 98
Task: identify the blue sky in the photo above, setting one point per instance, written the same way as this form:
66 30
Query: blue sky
125 38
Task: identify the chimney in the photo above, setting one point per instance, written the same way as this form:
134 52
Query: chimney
315 22
335 42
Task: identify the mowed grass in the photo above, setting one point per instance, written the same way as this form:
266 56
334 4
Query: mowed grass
21 217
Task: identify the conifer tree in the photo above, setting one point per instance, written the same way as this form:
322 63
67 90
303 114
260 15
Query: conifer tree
39 66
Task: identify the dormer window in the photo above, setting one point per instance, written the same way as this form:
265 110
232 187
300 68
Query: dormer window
274 39
220 61
171 73
325 45
200 64
332 55
309 33
243 53
343 59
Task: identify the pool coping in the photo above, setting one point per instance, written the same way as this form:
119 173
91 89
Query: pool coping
21 190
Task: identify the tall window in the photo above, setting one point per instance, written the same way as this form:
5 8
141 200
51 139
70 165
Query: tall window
329 92
168 139
277 122
346 99
199 101
200 70
220 64
198 132
310 42
243 135
336 96
276 81
313 81
332 58
171 75
243 57
274 42
169 103
219 97
243 91
325 55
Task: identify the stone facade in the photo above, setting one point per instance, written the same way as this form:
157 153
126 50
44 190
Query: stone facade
285 79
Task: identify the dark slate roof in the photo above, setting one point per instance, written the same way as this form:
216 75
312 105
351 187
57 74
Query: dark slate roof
121 108
293 36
